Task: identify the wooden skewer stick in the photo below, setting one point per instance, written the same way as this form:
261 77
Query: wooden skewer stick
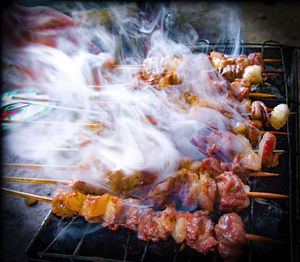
262 174
277 133
62 149
51 181
36 180
270 74
272 60
74 168
36 167
52 84
138 67
26 195
10 121
274 151
251 237
65 108
266 195
31 99
262 95
274 71
259 238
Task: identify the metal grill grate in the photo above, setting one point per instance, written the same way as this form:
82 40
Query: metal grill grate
65 239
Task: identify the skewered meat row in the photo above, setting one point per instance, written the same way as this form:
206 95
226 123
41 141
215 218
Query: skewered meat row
196 183
192 190
194 229
221 146
240 72
239 88
117 181
242 164
249 68
215 180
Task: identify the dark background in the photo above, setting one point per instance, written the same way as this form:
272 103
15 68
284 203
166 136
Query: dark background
260 21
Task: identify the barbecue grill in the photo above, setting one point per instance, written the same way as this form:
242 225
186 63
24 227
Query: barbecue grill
74 239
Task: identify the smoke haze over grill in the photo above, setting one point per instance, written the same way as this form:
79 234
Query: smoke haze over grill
80 58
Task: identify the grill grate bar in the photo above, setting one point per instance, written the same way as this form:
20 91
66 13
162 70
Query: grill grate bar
76 257
57 236
127 245
79 245
144 252
290 173
175 255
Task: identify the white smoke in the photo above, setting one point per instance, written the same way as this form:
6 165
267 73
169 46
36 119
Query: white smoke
129 141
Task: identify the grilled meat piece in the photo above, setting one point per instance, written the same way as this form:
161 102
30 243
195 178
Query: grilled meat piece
253 132
86 188
185 187
179 230
265 150
161 194
256 59
240 88
132 211
245 163
207 193
156 225
199 232
212 167
94 207
259 111
279 115
67 202
221 146
230 233
231 193
113 181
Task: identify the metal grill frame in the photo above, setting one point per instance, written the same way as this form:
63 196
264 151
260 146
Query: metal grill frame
291 94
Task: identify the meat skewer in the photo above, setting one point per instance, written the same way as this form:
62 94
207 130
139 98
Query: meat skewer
266 60
75 168
261 95
272 60
185 187
69 182
88 125
10 121
36 180
226 189
37 167
62 107
194 229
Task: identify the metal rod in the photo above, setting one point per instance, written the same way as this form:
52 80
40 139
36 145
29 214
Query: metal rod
145 251
57 236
